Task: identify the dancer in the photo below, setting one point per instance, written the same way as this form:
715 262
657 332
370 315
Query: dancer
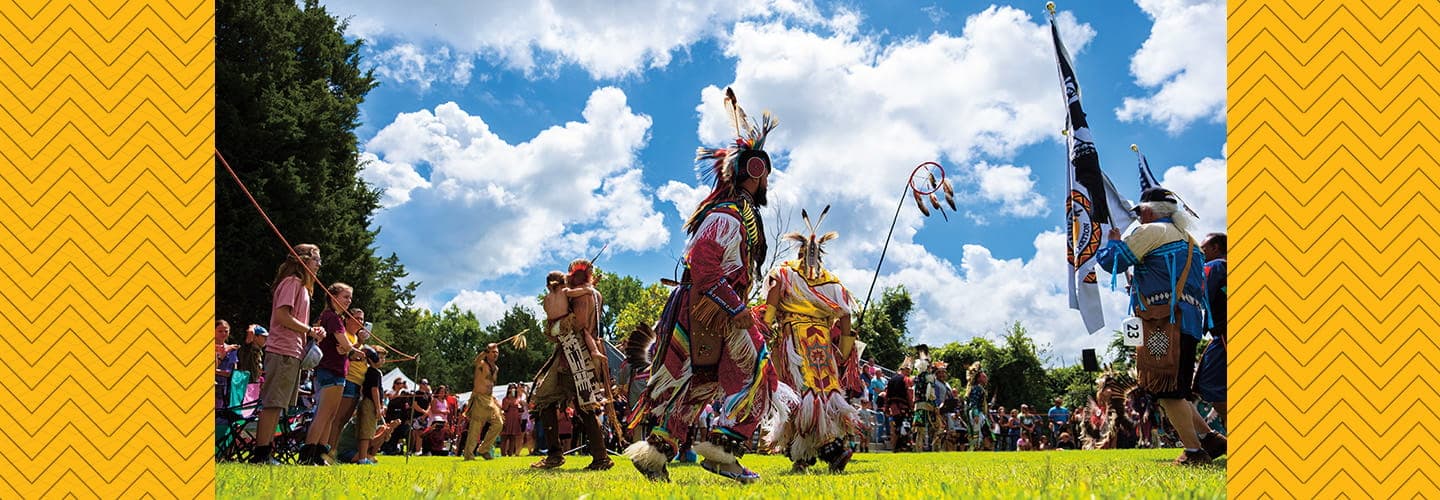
483 409
814 353
1169 297
978 410
555 383
710 345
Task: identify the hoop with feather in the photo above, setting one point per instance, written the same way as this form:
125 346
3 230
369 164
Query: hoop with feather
915 186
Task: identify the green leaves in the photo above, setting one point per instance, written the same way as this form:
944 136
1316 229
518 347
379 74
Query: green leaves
885 331
288 89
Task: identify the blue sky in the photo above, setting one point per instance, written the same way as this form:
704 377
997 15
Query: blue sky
512 137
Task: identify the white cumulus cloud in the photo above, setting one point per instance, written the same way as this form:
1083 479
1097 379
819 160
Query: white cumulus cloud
407 63
489 306
608 39
487 208
1184 61
1014 187
396 181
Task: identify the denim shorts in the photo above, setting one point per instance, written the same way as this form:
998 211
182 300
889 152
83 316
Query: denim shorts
324 377
352 390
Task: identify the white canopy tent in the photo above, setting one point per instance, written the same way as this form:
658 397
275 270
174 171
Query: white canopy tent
388 380
498 392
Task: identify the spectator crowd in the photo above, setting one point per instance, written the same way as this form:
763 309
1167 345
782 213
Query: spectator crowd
310 393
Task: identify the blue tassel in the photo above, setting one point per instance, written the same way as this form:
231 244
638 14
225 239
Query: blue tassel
1170 262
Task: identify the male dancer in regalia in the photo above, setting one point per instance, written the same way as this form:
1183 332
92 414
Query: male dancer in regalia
555 383
709 342
814 353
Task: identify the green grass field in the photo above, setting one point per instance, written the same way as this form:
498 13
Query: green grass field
1049 475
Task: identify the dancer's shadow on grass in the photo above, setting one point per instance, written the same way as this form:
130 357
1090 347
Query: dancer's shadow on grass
1218 463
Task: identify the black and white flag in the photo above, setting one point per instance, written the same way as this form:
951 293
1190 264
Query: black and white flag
1088 206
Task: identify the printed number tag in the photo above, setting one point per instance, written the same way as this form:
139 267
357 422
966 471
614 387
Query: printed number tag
1131 328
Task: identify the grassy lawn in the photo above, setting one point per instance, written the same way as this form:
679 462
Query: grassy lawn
1053 474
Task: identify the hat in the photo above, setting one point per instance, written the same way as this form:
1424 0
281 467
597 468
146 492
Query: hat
370 354
261 331
424 381
1158 194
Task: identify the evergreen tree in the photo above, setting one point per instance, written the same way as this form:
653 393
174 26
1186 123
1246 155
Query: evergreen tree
288 90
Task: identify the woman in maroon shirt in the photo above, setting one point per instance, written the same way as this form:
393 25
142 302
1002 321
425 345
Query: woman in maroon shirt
329 375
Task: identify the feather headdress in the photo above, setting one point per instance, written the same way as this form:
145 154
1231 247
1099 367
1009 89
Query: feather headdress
726 167
972 372
812 246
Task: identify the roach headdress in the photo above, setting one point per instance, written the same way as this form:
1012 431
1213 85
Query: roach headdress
728 167
812 246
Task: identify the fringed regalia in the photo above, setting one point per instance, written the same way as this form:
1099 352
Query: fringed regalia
1169 286
976 408
812 357
726 247
718 280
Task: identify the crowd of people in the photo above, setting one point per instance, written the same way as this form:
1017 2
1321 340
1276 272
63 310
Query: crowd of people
727 377
323 376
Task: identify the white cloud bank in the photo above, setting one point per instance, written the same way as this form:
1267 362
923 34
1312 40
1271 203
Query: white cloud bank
1184 61
485 208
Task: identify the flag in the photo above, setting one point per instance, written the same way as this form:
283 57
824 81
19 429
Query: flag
1147 178
1088 204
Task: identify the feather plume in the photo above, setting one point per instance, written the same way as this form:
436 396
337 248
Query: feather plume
933 183
829 236
637 347
767 123
805 216
737 115
949 193
934 201
920 203
821 220
793 236
517 341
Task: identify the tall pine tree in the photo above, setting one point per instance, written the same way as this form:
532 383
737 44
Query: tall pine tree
288 90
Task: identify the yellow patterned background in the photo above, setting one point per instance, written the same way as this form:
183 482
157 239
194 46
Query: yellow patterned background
106 294
1334 249
107 249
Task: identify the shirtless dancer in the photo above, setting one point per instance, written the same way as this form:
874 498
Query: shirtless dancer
483 409
568 309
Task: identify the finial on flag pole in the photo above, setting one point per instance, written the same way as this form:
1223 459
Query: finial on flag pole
1135 148
1050 6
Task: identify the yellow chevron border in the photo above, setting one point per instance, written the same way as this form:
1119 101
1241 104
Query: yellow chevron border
1336 256
106 249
